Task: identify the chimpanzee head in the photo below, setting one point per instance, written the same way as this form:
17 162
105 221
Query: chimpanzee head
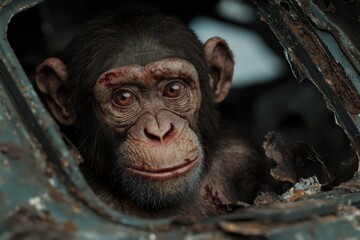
140 90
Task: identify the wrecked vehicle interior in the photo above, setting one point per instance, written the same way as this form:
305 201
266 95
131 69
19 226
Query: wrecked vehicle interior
304 114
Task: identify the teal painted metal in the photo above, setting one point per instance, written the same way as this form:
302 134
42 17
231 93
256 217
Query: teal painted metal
43 194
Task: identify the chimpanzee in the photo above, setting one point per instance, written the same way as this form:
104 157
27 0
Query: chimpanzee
140 92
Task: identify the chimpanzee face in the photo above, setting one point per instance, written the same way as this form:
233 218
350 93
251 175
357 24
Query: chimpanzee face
156 107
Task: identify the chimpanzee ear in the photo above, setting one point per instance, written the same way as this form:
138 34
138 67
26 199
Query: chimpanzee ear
221 63
51 77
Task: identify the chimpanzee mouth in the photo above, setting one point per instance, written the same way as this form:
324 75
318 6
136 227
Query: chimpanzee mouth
165 173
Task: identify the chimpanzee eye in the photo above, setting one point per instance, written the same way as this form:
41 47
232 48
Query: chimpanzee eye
173 90
123 98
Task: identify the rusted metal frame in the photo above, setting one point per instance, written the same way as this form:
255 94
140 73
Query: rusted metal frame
331 17
310 58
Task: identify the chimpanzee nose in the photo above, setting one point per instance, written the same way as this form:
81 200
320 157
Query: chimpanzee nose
159 133
160 128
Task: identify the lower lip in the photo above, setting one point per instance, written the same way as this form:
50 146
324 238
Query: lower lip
162 174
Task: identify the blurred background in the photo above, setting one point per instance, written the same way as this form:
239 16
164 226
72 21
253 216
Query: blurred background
265 96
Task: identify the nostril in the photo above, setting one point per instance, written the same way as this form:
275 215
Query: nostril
159 136
151 136
169 132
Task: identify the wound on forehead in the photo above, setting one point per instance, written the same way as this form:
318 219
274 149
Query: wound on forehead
166 68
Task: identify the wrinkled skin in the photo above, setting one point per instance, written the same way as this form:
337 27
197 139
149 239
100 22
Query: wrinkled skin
145 120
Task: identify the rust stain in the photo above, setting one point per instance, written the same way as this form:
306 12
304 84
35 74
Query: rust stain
50 170
65 163
305 187
297 194
56 194
251 228
12 150
29 224
76 208
69 226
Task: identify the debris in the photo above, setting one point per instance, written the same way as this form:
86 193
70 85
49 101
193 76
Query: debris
305 187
